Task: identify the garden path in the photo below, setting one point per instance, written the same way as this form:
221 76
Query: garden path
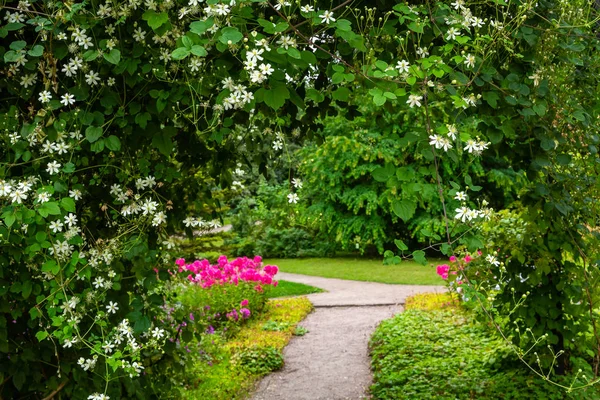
331 362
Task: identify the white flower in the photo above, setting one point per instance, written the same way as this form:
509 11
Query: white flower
255 54
52 167
277 145
307 9
149 207
327 17
45 96
112 307
17 196
70 219
75 194
158 333
414 100
61 147
139 34
266 69
108 347
462 196
476 22
462 213
189 222
159 219
422 52
452 131
470 60
458 4
92 78
297 183
492 260
67 99
56 226
402 66
293 198
43 197
98 282
471 146
452 33
28 80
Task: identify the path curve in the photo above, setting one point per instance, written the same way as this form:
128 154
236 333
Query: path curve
331 362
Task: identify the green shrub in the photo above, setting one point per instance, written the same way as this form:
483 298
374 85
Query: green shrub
448 355
260 360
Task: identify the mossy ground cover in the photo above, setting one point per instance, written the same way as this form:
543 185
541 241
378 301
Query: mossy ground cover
234 365
361 269
436 350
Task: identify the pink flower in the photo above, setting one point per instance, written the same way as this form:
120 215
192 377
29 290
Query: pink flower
452 258
257 259
191 317
180 262
258 288
245 313
468 258
442 270
244 303
271 270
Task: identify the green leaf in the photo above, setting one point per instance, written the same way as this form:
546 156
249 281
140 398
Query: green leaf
163 143
68 204
113 143
401 245
199 27
341 94
113 57
142 119
9 218
230 34
36 51
18 45
49 208
404 209
199 51
41 335
93 133
276 97
383 174
26 288
491 98
419 257
180 53
155 20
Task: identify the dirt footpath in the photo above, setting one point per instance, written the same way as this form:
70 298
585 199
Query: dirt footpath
331 362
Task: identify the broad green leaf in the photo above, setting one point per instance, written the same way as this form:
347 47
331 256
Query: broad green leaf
199 51
68 204
113 143
155 20
49 208
276 97
382 174
41 335
404 209
93 133
113 57
163 143
419 257
199 27
401 245
230 34
180 53
36 51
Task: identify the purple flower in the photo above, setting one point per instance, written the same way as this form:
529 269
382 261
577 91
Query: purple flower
210 330
245 313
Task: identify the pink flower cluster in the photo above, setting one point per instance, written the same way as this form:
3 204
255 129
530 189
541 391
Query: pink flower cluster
229 272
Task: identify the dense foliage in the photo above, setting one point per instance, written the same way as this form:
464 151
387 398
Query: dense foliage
446 354
123 122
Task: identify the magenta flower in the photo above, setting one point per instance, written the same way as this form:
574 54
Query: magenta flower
245 313
442 270
453 258
244 303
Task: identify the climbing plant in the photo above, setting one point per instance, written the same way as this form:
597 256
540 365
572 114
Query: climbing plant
120 119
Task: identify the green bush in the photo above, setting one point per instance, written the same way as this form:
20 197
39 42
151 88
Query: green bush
260 360
448 355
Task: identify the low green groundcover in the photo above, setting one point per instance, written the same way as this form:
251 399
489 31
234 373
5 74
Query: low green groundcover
447 355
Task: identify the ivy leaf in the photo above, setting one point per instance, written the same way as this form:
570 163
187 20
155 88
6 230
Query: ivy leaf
93 133
113 57
276 97
230 34
404 209
199 27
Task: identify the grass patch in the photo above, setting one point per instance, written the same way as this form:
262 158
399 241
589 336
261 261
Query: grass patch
446 354
361 269
235 365
286 288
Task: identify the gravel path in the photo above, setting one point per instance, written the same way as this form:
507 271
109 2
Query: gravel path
331 361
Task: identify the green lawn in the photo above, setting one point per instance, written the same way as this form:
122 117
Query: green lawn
360 269
286 288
